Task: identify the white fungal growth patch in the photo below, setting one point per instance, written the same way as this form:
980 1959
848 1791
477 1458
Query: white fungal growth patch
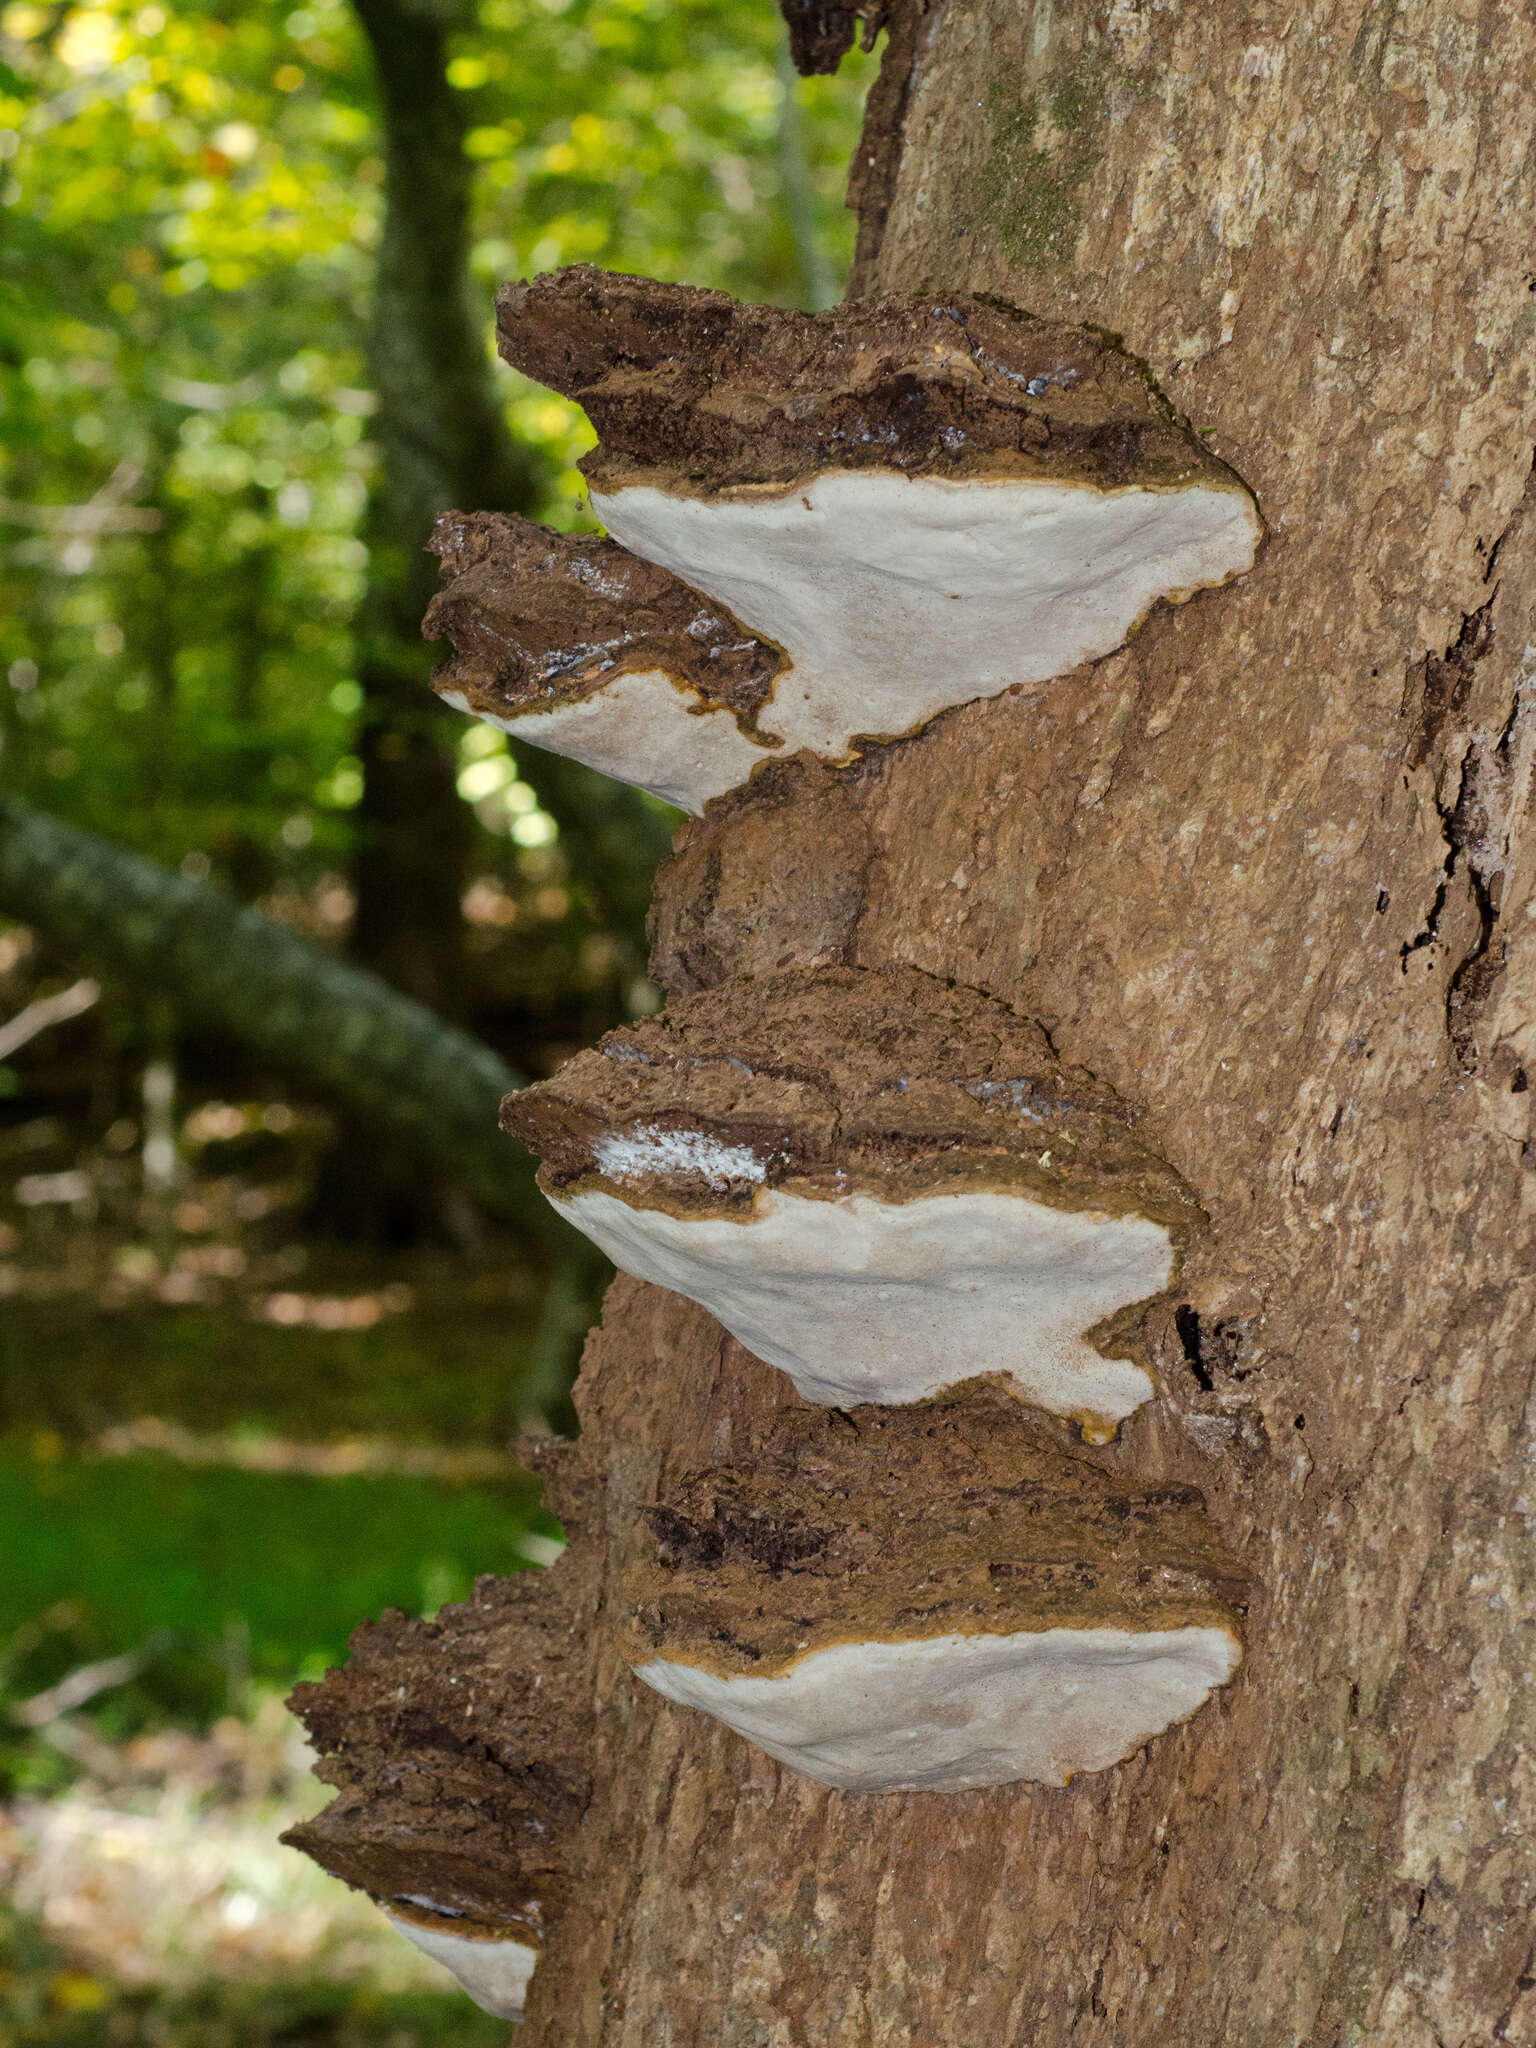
955 1712
860 1300
493 1969
640 728
896 596
653 1149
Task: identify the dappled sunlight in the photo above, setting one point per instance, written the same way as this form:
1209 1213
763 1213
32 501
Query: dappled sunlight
167 1868
275 1295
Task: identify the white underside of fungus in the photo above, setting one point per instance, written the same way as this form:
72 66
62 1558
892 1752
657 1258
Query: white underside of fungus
898 596
642 728
494 1970
956 1712
860 1300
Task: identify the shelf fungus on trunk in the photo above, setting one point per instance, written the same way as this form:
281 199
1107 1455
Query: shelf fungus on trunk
920 499
878 1183
461 1750
575 644
932 1599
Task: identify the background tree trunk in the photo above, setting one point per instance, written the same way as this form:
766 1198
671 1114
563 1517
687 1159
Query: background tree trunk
1269 871
442 442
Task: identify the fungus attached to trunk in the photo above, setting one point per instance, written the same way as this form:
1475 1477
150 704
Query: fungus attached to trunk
878 1183
576 645
461 1748
493 1965
920 499
932 1599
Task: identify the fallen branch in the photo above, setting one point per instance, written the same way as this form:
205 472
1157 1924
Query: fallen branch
45 1012
83 1684
230 969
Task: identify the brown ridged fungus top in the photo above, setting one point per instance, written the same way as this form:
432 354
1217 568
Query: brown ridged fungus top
460 1747
691 390
539 618
959 1517
834 1081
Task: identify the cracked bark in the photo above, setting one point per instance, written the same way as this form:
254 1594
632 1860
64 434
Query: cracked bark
1269 872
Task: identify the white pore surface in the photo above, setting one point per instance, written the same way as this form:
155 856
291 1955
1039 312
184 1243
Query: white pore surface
956 1712
859 1300
897 596
495 1973
638 728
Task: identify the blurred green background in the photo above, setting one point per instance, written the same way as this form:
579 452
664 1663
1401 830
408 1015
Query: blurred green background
263 1333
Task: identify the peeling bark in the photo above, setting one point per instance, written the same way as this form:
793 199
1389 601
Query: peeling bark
822 32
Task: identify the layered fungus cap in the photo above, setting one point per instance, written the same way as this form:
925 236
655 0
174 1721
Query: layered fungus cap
934 1600
878 1183
576 645
461 1750
920 500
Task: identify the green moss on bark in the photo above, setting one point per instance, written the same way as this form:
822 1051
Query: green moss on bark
1041 146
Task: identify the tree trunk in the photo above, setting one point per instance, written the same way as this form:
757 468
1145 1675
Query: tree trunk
442 442
1269 871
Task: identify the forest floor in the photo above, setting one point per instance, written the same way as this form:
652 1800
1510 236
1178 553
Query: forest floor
223 1443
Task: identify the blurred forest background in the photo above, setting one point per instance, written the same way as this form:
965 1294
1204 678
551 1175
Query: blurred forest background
276 929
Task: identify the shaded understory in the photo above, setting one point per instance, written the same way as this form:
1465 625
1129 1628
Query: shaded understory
223 1442
50 2002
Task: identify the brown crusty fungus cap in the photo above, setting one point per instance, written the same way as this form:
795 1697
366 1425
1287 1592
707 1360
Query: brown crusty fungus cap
460 1748
575 644
879 1183
921 499
715 395
933 1598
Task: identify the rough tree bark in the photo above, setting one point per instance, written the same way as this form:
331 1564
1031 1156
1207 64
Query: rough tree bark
1269 871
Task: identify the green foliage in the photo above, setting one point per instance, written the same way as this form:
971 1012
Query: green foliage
191 206
104 1552
455 1377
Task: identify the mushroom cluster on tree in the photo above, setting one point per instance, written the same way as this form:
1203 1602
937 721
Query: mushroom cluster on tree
1265 871
837 527
877 513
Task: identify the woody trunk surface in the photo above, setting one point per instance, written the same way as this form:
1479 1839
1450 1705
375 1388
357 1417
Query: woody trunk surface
1270 874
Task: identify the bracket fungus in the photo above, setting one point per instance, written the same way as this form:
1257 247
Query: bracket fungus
920 500
932 1599
493 1964
576 645
461 1748
878 1183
